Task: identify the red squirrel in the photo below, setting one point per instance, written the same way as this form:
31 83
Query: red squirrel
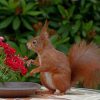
59 71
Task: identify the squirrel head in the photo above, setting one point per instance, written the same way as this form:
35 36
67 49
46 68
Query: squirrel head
39 43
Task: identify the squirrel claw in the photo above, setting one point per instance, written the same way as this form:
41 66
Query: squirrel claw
29 62
31 73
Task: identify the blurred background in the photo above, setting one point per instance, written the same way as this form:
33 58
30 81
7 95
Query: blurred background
70 21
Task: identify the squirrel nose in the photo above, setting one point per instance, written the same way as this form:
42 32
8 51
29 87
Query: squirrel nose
28 45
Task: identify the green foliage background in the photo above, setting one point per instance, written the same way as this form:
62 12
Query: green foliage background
69 21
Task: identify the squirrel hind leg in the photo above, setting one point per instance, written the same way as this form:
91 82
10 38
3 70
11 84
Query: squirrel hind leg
62 83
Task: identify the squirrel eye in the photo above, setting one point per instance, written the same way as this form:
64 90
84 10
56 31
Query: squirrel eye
35 42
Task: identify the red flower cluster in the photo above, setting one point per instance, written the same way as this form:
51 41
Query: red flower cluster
15 62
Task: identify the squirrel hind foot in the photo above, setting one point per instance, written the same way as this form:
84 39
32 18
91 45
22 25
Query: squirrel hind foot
58 92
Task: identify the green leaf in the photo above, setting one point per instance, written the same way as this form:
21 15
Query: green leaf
63 40
54 39
14 46
97 28
1 73
82 3
12 4
63 29
97 39
78 16
22 40
26 24
76 27
94 1
6 22
71 11
84 34
23 49
57 2
23 4
54 24
77 39
87 26
4 2
30 6
16 23
63 11
3 10
34 13
5 77
63 48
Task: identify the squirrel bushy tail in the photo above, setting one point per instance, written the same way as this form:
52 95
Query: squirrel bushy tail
85 64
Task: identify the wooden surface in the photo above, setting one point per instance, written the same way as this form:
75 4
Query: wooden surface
73 94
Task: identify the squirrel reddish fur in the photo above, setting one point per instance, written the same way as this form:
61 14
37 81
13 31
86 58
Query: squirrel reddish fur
60 72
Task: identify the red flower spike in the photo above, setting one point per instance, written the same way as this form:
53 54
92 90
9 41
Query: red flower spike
24 71
15 62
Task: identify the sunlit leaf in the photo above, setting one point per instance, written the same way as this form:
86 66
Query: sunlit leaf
87 26
63 11
30 6
77 39
23 3
4 2
34 13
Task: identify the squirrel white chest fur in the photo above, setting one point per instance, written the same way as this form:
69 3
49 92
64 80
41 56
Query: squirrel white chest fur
48 76
49 81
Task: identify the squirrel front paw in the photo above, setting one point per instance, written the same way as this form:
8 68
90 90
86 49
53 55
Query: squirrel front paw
29 62
33 71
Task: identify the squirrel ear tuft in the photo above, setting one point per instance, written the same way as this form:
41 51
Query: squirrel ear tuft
44 28
43 33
